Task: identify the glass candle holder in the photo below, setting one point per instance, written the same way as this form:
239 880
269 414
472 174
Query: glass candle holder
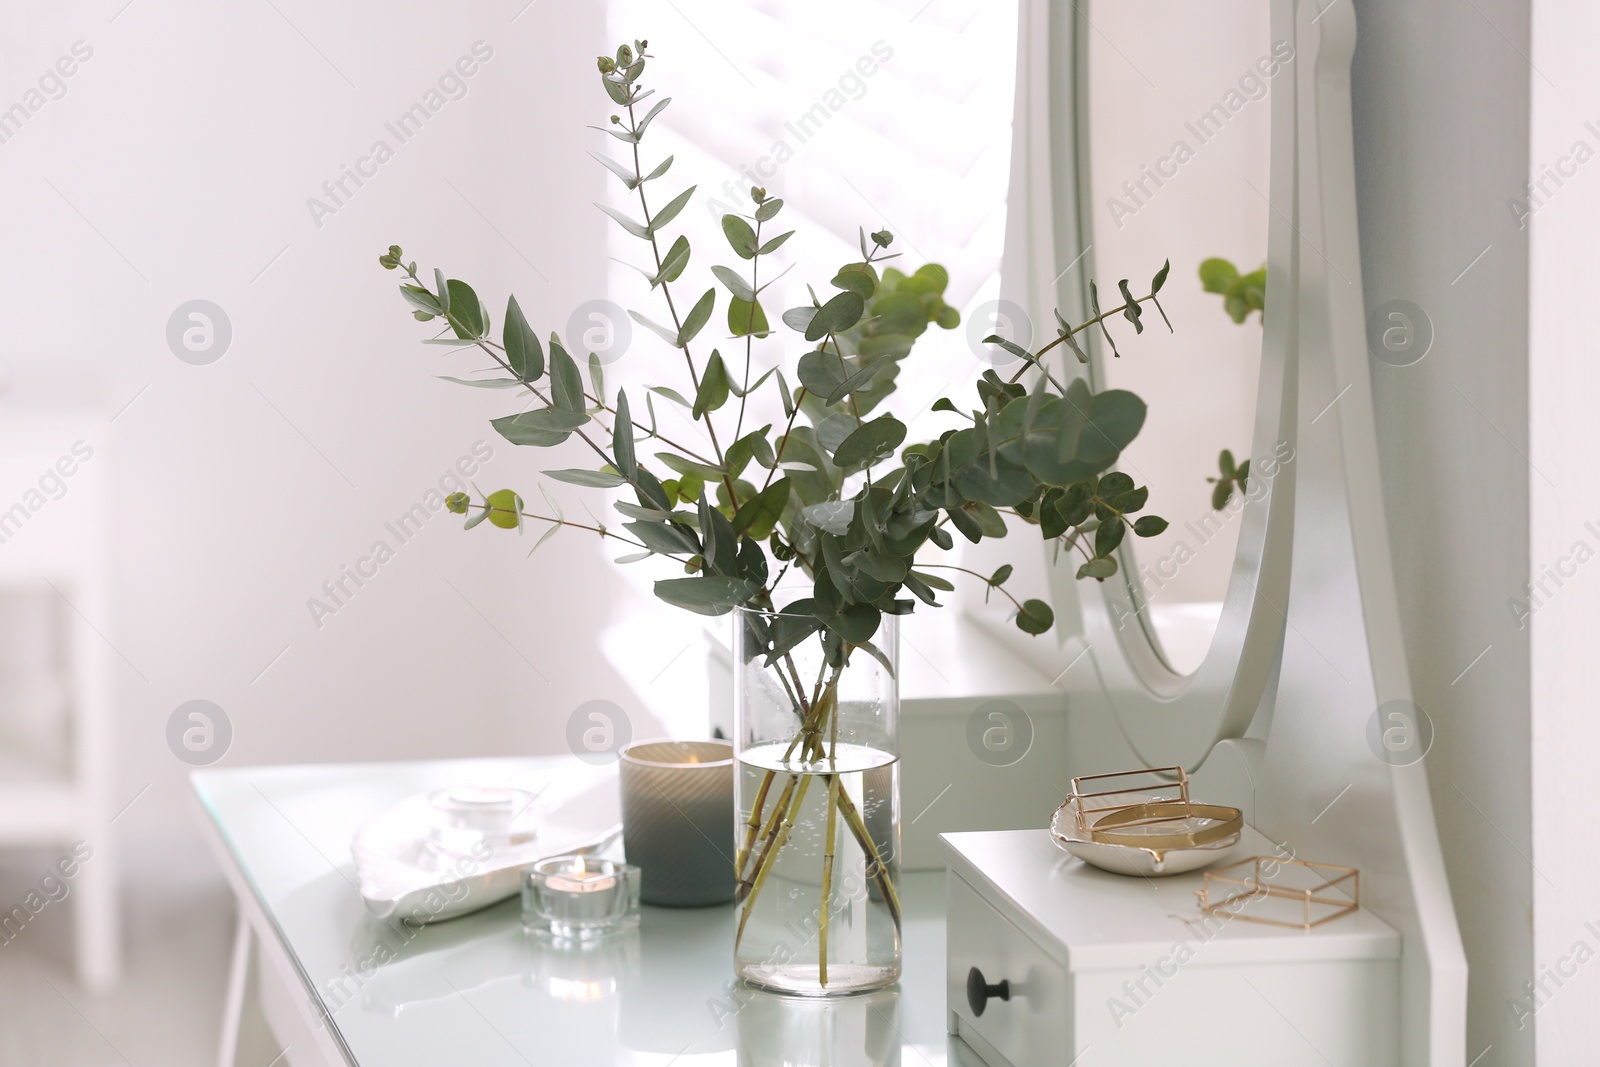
580 898
677 820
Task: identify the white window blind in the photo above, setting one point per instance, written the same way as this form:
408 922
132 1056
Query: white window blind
874 113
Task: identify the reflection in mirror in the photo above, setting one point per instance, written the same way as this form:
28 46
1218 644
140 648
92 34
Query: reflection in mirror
1178 139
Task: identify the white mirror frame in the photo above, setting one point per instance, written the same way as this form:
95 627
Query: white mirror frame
1292 684
1165 718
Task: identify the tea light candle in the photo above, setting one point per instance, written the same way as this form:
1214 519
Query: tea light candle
580 897
677 820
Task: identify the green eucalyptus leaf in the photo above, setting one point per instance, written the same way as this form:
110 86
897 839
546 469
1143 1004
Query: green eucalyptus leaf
1132 501
706 596
466 314
688 466
650 115
769 209
1131 311
821 374
697 317
620 170
733 387
799 318
736 285
668 335
671 394
481 383
923 593
713 391
837 315
859 278
421 299
747 318
1108 537
523 351
670 211
637 229
741 238
832 516
759 516
989 520
1101 568
855 624
540 428
622 439
965 525
769 247
663 537
566 381
1035 617
661 168
673 262
1149 526
591 479
1161 278
1115 484
442 291
870 442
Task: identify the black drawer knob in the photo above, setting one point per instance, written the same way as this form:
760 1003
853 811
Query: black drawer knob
979 991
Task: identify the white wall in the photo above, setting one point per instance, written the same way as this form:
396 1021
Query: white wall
1441 128
178 165
1565 516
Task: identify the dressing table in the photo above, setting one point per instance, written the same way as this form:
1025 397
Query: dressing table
1045 961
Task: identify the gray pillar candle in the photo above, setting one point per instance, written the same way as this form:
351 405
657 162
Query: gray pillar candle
677 820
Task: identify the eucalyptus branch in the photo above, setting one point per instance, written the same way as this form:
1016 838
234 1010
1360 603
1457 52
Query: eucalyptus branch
1034 359
666 291
981 577
601 530
749 336
788 428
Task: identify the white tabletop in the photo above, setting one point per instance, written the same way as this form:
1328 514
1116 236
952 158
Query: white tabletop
478 990
1091 920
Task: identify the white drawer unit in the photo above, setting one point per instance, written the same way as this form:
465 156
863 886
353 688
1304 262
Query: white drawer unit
1052 963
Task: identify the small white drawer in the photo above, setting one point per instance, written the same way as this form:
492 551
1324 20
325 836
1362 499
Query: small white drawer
1033 1026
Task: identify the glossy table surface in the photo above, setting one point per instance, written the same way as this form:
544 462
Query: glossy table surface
478 990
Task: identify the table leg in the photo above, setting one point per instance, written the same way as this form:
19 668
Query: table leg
246 1037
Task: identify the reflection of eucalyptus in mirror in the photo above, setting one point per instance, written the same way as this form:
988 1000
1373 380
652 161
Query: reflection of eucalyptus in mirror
1241 294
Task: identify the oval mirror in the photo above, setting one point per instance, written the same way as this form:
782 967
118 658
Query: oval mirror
1178 131
1147 131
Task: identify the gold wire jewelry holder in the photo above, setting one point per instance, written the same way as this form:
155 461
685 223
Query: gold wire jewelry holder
1114 823
1248 881
1151 791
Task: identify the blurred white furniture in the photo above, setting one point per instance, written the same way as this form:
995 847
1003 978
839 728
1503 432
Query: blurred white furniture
320 982
55 721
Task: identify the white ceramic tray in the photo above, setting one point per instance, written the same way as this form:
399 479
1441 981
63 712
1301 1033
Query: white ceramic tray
406 867
1123 859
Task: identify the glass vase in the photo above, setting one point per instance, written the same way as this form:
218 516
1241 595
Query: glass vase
817 794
